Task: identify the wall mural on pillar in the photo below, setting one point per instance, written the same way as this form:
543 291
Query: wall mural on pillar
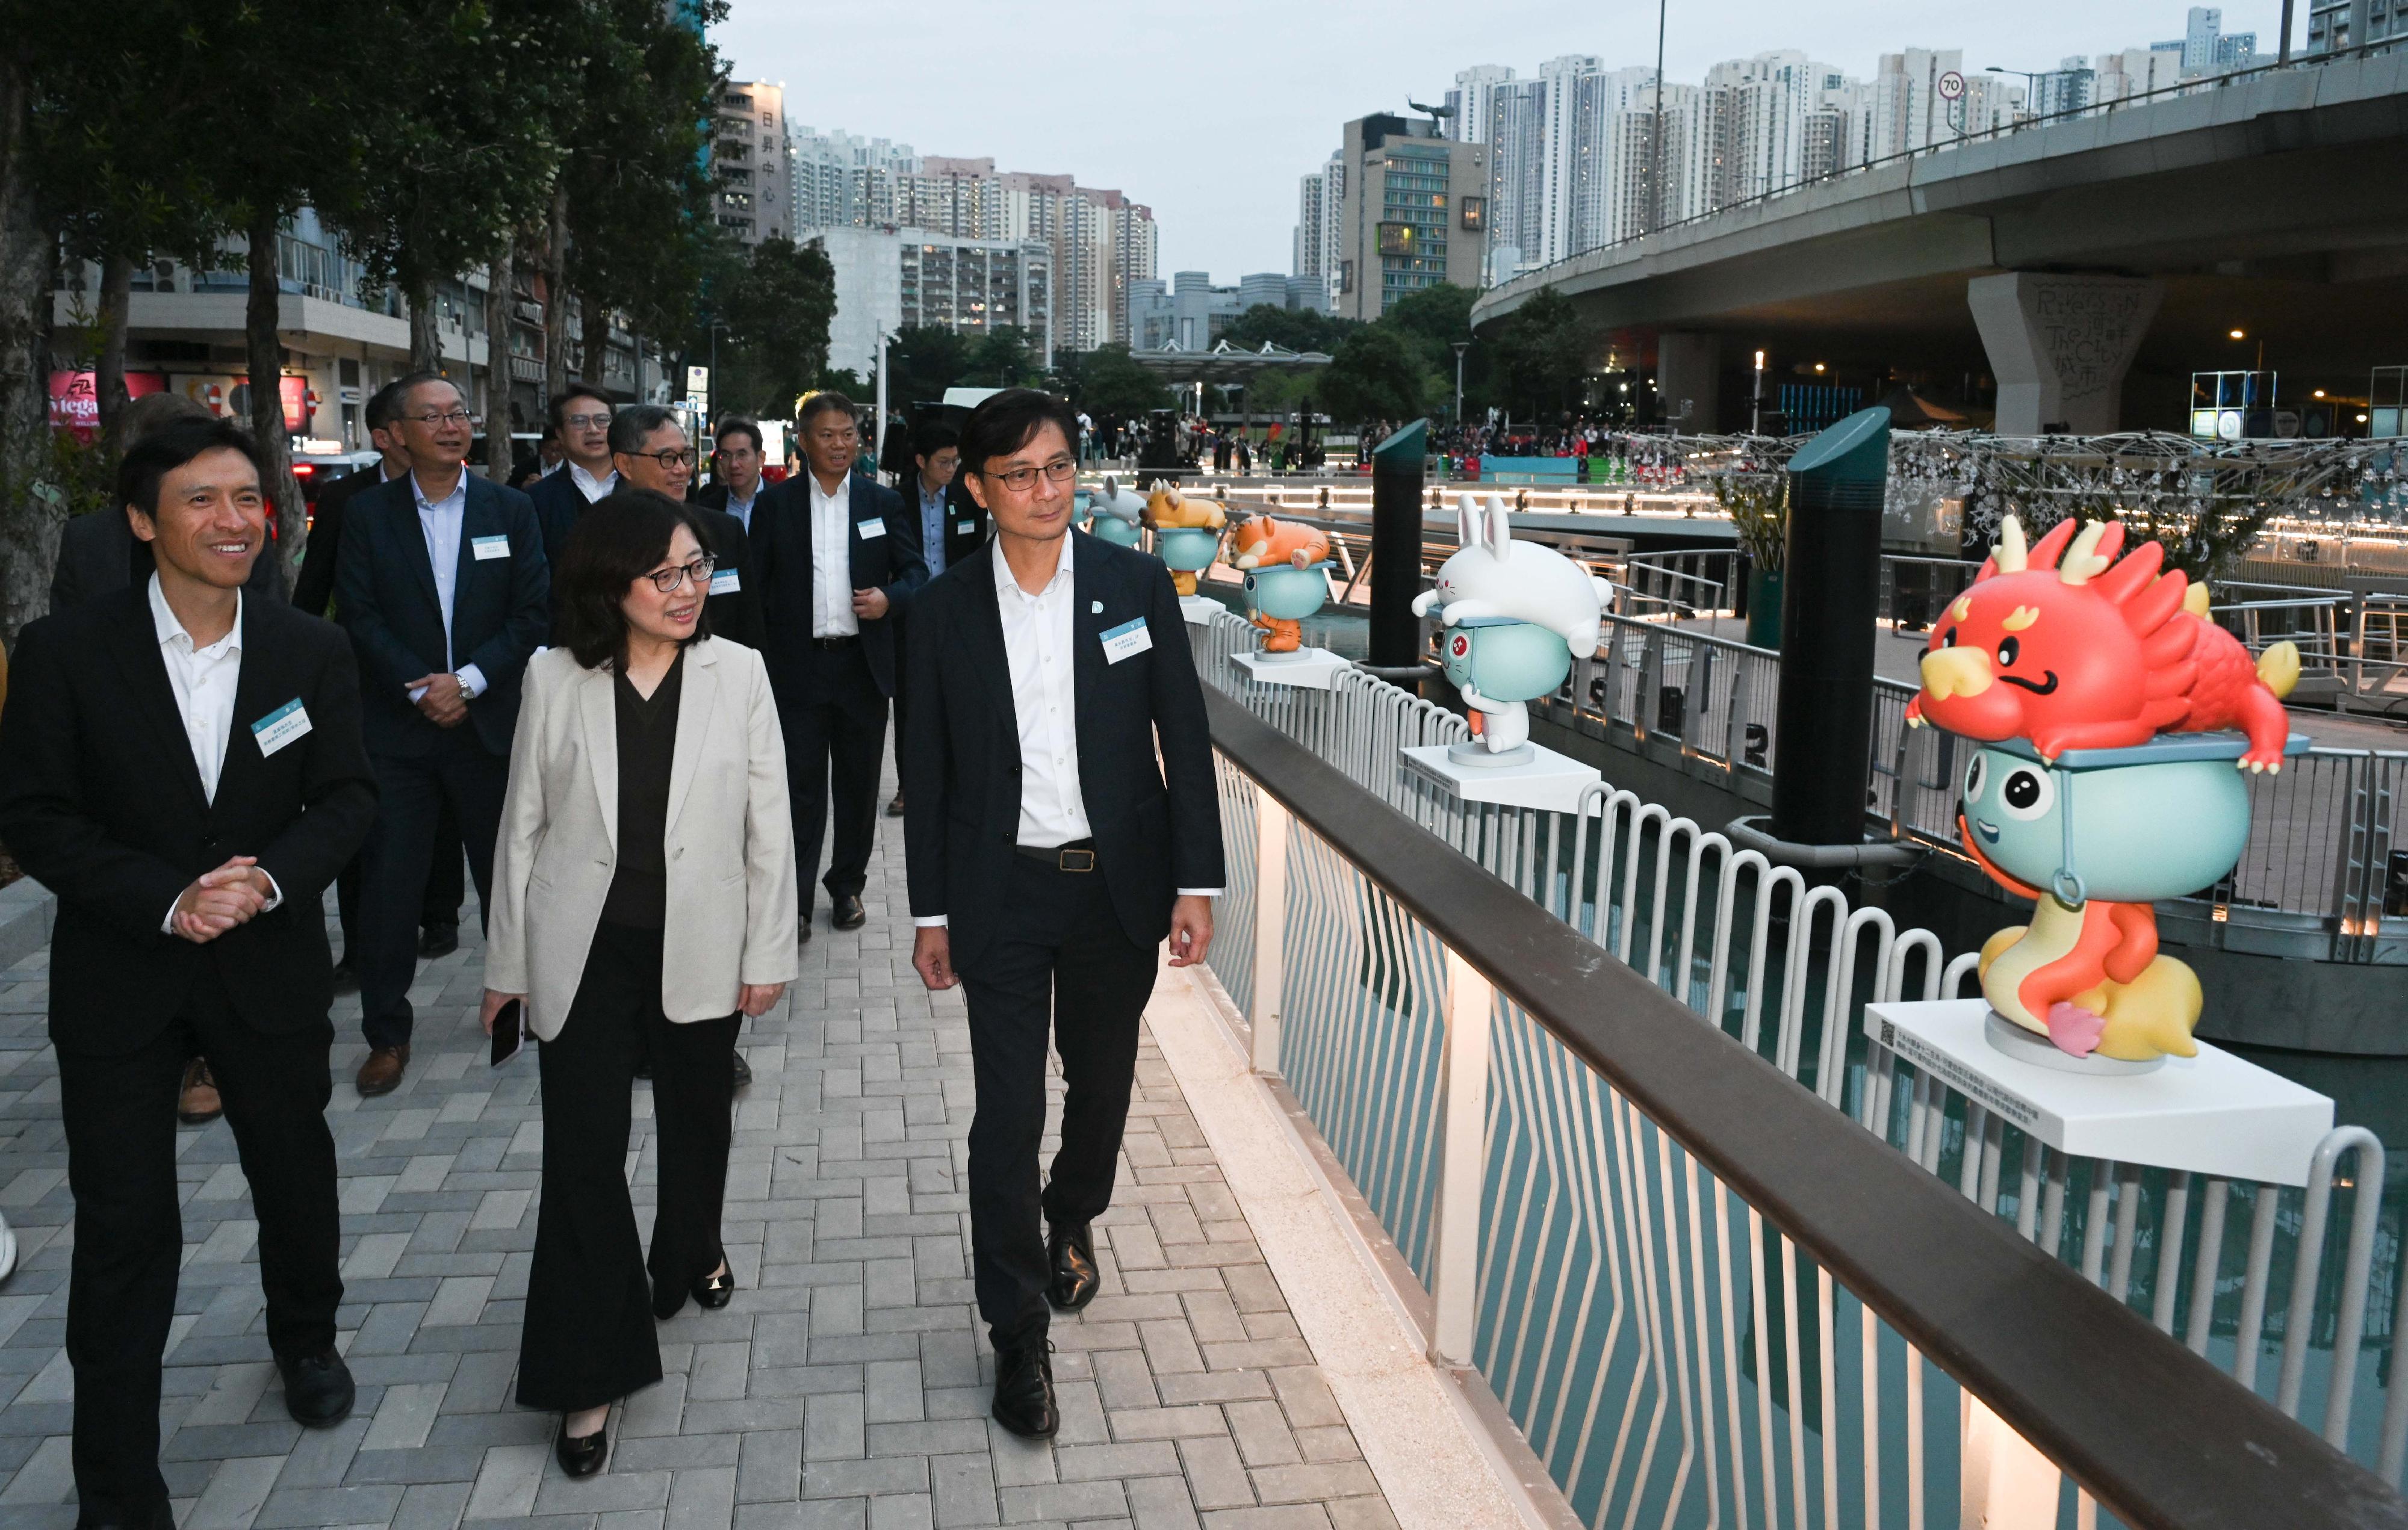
2113 713
2088 334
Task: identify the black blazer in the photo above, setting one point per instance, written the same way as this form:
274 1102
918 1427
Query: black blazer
965 525
385 594
1157 827
313 588
100 802
99 554
735 602
888 559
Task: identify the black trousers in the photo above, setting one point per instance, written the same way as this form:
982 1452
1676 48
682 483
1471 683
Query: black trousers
120 1114
1062 956
413 791
588 1337
834 718
447 885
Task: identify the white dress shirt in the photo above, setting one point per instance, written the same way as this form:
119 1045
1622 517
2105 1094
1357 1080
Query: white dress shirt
204 681
1038 632
590 486
441 520
831 560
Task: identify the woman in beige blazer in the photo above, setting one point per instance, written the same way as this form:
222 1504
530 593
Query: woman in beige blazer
643 901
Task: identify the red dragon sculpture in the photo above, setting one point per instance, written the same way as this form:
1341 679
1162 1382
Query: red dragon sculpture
2066 646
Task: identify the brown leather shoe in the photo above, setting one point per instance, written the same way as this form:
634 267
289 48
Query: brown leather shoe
198 1104
382 1073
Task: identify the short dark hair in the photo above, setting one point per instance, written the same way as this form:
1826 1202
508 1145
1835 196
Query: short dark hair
820 403
557 410
735 424
1009 420
170 446
408 383
630 426
384 407
617 540
142 416
933 437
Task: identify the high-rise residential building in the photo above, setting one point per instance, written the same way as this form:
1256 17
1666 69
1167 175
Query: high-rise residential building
1415 213
750 161
1517 174
1562 142
887 278
2072 86
2135 71
841 180
1473 99
1307 258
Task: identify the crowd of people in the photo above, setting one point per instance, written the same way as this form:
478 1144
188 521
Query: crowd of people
636 711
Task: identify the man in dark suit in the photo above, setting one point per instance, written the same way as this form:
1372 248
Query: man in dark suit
1046 668
836 554
98 555
735 467
442 585
582 415
181 766
649 451
950 525
313 591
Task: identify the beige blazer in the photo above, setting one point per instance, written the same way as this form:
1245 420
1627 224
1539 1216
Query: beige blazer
731 848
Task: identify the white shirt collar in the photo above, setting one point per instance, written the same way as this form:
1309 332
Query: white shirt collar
1006 582
590 486
163 622
458 497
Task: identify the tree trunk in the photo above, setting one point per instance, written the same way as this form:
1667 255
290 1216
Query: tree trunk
266 379
30 507
425 347
501 303
555 298
592 341
108 373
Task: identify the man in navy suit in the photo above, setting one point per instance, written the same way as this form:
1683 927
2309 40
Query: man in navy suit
442 585
581 415
836 554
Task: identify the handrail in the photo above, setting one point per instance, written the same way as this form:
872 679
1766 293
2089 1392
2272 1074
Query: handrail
2154 1432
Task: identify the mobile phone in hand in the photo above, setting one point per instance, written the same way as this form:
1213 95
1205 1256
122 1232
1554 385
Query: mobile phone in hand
509 1032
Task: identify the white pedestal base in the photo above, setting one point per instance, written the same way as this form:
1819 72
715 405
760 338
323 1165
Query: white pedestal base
2211 1114
1310 668
1199 611
1550 782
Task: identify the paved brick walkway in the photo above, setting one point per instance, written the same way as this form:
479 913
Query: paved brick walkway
847 1385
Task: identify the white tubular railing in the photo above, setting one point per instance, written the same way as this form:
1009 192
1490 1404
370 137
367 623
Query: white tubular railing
2241 1272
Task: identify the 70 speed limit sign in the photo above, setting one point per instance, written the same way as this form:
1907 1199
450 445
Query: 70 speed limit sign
1952 86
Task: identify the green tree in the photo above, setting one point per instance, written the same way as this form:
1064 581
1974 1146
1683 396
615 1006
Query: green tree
1290 329
1002 358
921 361
1378 374
777 303
1105 382
1546 351
1431 320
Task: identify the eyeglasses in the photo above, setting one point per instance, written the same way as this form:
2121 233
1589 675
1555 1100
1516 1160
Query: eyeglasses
453 416
669 580
586 421
670 459
1021 479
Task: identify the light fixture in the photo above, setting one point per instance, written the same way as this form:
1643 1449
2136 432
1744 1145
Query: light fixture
1759 360
2236 334
1818 366
2320 393
2361 419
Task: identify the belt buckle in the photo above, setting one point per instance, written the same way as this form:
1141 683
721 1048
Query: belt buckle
1087 862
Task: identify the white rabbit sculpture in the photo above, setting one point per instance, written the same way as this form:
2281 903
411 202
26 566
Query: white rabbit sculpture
1495 580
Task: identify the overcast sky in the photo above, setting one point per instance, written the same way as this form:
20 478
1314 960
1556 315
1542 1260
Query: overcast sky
1209 112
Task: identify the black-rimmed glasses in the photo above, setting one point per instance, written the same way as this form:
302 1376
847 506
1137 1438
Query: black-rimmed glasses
669 580
1021 479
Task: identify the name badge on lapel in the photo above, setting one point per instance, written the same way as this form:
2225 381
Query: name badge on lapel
1127 640
964 528
726 582
281 726
874 526
489 547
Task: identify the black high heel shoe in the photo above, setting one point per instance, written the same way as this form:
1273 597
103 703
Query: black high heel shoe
583 1455
713 1291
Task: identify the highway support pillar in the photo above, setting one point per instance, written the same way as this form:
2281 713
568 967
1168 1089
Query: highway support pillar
1689 381
2059 345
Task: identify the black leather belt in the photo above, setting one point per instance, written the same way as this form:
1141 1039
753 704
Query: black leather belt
1078 855
845 641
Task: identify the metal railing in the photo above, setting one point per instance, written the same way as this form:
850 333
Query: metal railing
1704 1296
2300 1297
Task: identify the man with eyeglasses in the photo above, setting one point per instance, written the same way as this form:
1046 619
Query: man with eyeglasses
836 553
581 416
1061 820
649 449
734 469
441 583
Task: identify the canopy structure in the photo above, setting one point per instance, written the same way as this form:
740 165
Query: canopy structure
1224 364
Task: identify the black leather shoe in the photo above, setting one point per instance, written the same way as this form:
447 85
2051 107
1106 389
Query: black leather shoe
1024 1391
583 1455
847 914
159 1516
715 1291
743 1071
437 940
318 1389
803 930
1072 1251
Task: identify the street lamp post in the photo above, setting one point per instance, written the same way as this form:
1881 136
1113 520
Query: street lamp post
1460 347
878 437
1756 401
2031 86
